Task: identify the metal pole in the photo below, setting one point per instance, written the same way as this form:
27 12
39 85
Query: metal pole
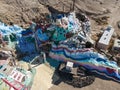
63 8
73 5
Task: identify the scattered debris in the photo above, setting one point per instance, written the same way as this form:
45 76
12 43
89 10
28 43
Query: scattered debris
116 46
5 57
65 39
104 41
118 59
75 49
79 76
16 78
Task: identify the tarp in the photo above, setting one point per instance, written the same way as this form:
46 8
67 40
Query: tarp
19 38
26 46
7 30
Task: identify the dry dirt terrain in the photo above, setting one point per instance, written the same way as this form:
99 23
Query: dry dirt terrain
22 11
